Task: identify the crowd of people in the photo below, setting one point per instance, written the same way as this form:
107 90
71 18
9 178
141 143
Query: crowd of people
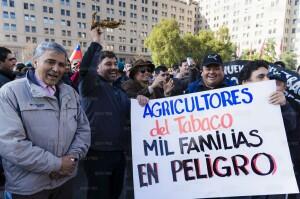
55 117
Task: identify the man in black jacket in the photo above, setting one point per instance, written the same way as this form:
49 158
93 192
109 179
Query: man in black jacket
7 64
107 108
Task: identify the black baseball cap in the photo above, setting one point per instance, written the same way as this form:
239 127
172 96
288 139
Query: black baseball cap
212 59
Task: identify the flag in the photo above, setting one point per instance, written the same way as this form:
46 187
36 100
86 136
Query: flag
262 48
238 50
76 54
281 46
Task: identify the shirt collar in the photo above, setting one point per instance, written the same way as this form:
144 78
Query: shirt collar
49 89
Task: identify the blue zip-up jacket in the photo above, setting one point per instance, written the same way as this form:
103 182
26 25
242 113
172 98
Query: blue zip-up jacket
198 85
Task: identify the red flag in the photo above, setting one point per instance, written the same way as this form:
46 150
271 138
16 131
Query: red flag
76 54
281 46
262 48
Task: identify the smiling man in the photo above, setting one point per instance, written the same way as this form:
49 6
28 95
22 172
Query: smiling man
107 108
43 129
212 76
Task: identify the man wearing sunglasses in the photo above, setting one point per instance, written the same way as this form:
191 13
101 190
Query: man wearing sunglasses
141 81
7 64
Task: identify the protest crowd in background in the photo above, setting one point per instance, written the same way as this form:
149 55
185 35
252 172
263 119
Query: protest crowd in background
84 102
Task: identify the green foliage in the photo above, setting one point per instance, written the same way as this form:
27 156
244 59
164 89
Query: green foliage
290 59
250 55
269 53
165 43
168 47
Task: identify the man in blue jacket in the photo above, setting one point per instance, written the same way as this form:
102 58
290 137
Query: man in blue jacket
212 76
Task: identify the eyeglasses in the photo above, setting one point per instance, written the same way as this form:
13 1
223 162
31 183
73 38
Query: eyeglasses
143 70
165 75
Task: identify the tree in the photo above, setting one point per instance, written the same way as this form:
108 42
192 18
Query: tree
290 59
223 44
165 43
269 53
192 47
207 41
168 47
249 54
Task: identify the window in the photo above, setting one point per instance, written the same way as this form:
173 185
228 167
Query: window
26 6
122 4
96 8
12 15
27 28
122 48
31 6
11 3
33 29
6 26
7 37
13 27
51 21
110 2
28 39
46 30
14 38
5 15
51 31
32 17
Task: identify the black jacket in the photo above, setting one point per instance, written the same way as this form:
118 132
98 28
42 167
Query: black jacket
6 77
107 106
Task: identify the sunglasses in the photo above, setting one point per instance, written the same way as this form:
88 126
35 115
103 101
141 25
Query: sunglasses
165 75
143 70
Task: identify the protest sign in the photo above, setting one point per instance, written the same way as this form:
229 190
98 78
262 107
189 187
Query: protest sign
211 144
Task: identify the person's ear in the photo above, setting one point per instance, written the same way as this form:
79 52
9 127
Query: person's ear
34 64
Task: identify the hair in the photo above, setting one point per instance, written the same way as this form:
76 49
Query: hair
106 54
45 46
175 66
280 63
20 66
251 66
162 68
183 60
3 53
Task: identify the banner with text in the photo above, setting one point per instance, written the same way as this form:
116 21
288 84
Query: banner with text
209 143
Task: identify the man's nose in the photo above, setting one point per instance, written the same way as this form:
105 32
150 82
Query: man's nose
114 66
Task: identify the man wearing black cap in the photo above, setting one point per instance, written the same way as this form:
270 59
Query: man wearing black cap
212 75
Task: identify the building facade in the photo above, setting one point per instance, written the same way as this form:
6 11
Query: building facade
25 23
252 22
